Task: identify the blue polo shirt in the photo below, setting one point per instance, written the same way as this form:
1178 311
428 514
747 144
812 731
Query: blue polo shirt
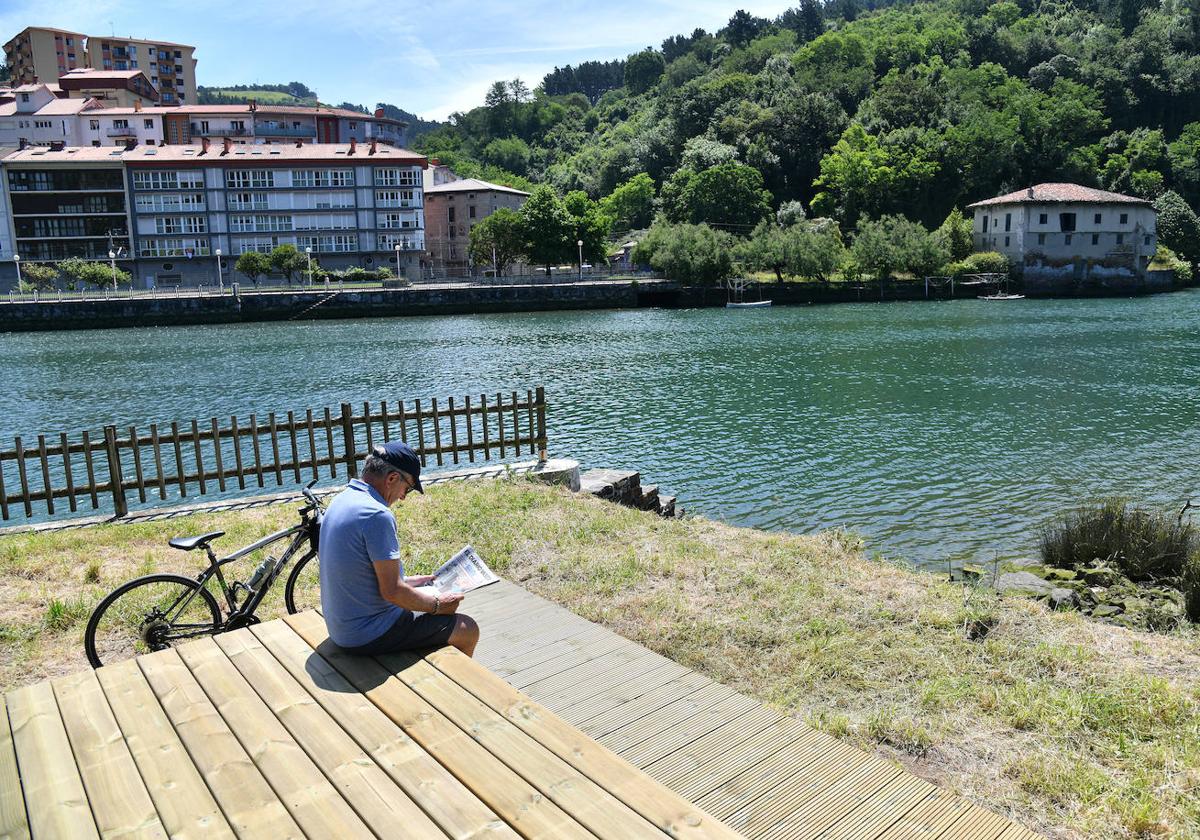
357 529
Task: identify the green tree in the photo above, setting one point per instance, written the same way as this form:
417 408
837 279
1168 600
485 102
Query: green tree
548 229
498 240
1178 226
93 273
956 234
861 177
643 70
38 276
253 265
693 254
875 248
814 249
590 225
766 249
731 195
288 261
631 204
508 153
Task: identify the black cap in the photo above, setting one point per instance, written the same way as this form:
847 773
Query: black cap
402 457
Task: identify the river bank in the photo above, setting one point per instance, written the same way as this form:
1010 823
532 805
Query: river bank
1074 728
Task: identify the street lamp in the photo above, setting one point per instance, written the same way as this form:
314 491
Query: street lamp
220 274
579 242
397 260
308 253
112 258
17 263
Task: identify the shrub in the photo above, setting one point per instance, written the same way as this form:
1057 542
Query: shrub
1191 587
1165 258
984 262
1142 545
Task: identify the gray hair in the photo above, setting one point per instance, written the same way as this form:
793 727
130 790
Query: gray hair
376 466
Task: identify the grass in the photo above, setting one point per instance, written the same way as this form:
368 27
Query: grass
1076 728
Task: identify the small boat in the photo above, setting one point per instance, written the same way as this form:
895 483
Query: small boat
749 305
1002 296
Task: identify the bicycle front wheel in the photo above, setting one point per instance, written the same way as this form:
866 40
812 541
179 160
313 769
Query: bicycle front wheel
303 590
148 614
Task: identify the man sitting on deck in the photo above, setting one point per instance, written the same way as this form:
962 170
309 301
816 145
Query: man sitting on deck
367 602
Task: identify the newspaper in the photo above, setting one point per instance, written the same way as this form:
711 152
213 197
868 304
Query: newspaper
463 572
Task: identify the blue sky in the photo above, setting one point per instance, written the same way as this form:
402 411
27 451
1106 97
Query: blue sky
430 58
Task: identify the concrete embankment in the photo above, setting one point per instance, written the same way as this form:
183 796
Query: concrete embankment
304 305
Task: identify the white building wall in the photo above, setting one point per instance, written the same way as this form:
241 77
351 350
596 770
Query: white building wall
1100 230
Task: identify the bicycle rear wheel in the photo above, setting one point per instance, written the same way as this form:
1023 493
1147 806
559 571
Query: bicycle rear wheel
303 590
147 614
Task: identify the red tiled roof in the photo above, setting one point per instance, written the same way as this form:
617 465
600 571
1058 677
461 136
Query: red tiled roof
1060 194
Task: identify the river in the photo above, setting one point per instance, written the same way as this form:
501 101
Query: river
938 431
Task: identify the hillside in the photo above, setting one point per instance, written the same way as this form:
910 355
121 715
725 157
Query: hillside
859 109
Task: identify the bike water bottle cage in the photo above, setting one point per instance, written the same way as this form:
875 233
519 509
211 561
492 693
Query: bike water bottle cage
192 543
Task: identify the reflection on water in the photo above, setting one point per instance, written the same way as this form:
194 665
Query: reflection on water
939 431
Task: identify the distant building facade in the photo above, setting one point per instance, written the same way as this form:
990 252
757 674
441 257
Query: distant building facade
167 210
1050 225
44 54
452 208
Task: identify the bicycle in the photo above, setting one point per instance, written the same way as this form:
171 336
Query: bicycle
155 611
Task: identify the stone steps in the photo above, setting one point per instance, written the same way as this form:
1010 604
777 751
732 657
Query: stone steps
625 487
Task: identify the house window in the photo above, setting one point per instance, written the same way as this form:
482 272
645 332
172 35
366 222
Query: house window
1099 217
148 123
985 224
1095 239
451 218
1120 239
1066 221
1124 218
1007 223
1042 218
1041 239
471 210
120 123
1006 242
1067 239
24 97
94 125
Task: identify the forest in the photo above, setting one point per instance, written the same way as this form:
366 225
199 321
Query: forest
861 113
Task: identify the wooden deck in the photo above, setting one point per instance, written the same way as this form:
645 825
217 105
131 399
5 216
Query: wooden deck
272 732
763 773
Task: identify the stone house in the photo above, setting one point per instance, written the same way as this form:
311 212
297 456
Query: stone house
1049 228
452 208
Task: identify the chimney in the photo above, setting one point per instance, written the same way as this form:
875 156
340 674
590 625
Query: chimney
378 113
35 78
253 106
57 145
299 143
353 145
372 147
434 162
203 145
227 146
22 144
130 143
137 105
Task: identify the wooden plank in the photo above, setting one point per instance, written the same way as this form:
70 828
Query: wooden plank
420 432
200 476
14 822
313 802
836 800
378 800
593 806
183 801
136 448
500 421
216 442
3 493
1017 832
257 449
458 811
239 473
180 472
978 824
273 427
453 433
22 476
930 819
516 418
734 716
119 800
312 443
46 474
660 806
383 414
618 693
470 430
516 801
247 801
329 443
875 813
91 469
54 797
367 423
158 468
631 711
483 412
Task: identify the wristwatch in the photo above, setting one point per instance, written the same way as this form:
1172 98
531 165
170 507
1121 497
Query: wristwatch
437 604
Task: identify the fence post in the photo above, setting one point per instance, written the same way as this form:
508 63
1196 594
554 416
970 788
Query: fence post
114 471
348 438
541 422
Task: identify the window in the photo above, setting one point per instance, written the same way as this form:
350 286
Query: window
395 198
353 125
471 211
168 180
169 202
253 178
451 216
180 224
147 123
1124 218
1041 239
238 125
178 54
985 224
1095 239
248 201
1007 223
1099 217
1042 218
1147 242
120 123
174 248
24 97
1067 239
398 177
94 125
1006 242
259 222
1120 239
42 124
1066 221
322 177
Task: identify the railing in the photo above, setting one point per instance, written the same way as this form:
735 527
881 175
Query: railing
112 468
283 131
118 131
219 132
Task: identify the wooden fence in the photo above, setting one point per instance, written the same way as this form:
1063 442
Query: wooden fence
115 467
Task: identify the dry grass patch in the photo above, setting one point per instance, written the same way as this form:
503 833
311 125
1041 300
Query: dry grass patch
1078 728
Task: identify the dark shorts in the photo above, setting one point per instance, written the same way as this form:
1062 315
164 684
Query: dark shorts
412 631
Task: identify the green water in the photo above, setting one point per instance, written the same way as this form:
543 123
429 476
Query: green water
939 431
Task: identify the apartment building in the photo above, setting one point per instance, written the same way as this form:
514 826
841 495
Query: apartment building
41 53
113 88
452 208
45 53
254 123
66 203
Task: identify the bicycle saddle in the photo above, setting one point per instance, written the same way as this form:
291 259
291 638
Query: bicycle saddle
192 543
